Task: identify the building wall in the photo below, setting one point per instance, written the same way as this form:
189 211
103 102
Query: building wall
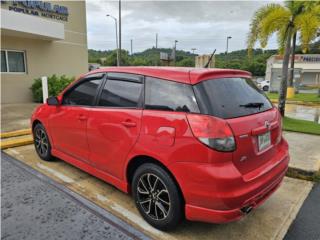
202 60
46 57
310 79
307 70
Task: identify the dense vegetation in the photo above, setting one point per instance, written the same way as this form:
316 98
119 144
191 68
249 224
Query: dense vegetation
151 57
55 85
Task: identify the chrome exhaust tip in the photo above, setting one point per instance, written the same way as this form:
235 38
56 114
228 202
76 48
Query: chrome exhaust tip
247 209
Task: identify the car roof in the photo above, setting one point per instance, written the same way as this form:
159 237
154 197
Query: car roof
178 74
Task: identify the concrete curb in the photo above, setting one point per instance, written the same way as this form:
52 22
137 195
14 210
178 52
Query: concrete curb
16 142
15 133
303 174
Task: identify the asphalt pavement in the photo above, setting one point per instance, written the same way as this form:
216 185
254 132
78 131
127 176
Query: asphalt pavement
35 207
307 224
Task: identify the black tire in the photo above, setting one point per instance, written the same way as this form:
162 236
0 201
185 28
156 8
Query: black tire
168 217
265 88
42 143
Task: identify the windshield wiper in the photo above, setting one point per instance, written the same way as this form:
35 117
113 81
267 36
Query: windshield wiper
252 105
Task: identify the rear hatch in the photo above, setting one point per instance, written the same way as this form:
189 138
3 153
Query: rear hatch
255 123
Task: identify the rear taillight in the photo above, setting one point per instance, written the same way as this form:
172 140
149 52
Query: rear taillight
213 132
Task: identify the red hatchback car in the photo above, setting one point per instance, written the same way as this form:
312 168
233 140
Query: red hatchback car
204 144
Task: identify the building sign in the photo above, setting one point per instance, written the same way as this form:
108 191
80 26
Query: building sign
302 58
39 8
311 58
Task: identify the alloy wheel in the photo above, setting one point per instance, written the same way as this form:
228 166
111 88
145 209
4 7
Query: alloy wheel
153 196
41 142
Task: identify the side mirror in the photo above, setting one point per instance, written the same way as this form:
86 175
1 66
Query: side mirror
53 101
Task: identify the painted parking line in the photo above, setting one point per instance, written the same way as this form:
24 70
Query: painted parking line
270 221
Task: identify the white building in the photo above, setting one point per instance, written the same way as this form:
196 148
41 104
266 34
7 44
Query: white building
306 70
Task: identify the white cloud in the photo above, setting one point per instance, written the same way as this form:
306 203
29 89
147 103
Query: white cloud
198 24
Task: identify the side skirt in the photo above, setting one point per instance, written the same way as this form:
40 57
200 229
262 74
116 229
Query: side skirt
123 186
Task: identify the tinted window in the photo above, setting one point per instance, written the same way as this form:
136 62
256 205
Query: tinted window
168 95
230 97
118 93
83 94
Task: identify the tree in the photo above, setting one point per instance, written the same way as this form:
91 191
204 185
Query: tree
294 18
111 58
186 62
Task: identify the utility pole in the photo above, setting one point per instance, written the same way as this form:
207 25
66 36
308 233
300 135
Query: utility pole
119 32
193 49
131 45
156 40
226 60
116 24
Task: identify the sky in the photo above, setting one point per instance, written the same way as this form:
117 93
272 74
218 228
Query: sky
203 25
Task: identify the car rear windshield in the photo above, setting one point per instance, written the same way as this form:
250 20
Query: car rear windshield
230 98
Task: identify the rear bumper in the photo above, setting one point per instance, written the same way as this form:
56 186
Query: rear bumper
195 213
217 193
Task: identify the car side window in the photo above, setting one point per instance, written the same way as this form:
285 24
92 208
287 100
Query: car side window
170 96
118 93
83 94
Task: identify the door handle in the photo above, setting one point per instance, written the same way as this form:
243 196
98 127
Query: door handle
82 117
129 123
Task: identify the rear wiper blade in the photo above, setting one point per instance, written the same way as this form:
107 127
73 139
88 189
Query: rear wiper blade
252 105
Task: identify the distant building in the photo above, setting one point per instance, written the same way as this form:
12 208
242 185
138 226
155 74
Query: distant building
306 70
202 60
40 38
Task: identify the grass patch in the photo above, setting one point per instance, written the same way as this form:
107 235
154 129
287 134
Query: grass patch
304 97
303 126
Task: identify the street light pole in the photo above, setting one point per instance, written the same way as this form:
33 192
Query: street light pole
229 37
175 51
119 32
116 25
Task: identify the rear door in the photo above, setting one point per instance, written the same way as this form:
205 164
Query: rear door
114 123
254 121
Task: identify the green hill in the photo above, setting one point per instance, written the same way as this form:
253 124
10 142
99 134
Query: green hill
151 57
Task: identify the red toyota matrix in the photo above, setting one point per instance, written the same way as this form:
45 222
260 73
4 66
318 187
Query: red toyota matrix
204 144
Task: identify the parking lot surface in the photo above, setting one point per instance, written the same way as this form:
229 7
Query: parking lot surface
34 208
307 224
270 221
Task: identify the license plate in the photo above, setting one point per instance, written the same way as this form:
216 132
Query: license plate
264 141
